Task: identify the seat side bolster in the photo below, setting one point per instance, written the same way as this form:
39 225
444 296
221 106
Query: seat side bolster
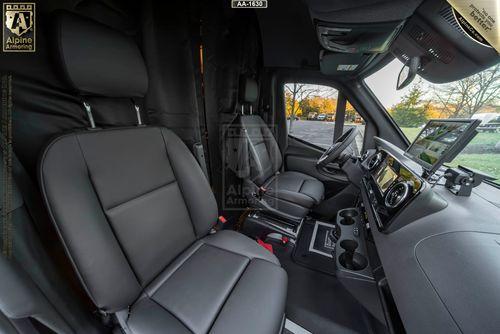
193 184
272 146
89 241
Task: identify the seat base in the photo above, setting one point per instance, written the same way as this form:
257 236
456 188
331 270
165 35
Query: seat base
224 283
293 193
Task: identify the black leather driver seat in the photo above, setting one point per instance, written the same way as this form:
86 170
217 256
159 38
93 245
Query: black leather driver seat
134 211
292 194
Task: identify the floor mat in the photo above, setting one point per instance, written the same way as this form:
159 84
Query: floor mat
313 248
318 302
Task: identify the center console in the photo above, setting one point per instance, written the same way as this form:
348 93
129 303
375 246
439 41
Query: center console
352 261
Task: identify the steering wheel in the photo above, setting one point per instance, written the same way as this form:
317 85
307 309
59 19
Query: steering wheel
334 151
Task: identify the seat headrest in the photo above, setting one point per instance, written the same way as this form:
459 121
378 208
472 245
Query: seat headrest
98 60
249 90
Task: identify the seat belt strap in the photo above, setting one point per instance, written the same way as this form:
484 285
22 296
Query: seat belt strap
201 147
339 117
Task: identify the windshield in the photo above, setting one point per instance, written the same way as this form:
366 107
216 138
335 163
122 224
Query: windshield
474 97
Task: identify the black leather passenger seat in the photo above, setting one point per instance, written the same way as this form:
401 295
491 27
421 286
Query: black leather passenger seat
288 193
134 211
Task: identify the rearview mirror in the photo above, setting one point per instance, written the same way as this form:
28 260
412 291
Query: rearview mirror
408 73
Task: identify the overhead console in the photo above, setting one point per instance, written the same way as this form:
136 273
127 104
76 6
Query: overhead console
358 38
393 189
350 47
353 33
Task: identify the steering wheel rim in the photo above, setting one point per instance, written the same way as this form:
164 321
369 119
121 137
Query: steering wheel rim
334 151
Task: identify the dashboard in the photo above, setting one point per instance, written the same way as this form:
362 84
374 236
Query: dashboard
391 186
440 253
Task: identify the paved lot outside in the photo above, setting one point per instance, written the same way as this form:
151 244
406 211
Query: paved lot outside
320 133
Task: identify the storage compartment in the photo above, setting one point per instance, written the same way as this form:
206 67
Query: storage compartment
261 219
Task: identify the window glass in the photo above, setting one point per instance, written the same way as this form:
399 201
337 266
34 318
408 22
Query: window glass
477 97
310 112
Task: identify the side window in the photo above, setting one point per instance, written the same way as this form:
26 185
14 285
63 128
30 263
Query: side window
311 114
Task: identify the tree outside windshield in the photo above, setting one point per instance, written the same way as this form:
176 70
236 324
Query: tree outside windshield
477 97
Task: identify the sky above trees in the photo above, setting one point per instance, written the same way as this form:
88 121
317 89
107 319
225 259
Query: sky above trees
461 98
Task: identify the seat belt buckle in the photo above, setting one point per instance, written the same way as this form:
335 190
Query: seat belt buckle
221 220
266 245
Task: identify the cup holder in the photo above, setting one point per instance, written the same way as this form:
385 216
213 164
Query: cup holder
350 259
348 216
349 245
353 261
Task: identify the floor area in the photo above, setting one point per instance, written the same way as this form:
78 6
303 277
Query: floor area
317 301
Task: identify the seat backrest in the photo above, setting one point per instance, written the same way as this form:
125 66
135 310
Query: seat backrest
125 201
264 153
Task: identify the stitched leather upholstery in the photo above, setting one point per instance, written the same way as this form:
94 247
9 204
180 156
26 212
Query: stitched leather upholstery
291 192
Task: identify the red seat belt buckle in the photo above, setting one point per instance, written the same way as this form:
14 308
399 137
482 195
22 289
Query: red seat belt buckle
221 220
267 246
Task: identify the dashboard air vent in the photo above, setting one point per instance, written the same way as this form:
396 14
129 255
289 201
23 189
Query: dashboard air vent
396 195
374 161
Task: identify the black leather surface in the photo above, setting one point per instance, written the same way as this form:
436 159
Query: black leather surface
132 207
293 193
222 283
256 302
21 298
109 64
264 152
296 187
123 207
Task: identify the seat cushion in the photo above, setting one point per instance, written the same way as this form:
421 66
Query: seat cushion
297 188
224 283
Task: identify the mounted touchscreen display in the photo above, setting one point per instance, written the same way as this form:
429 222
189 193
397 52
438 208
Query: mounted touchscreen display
391 171
440 141
385 177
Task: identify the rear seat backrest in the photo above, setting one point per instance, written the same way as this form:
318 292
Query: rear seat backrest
123 208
